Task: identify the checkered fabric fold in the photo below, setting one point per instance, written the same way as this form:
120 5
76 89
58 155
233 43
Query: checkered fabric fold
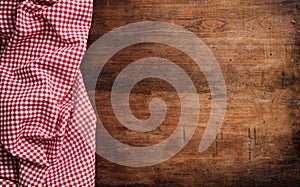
43 102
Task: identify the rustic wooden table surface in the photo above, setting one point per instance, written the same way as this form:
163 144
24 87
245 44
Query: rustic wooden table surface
256 42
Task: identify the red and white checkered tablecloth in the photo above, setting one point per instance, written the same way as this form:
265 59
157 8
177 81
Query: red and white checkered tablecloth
43 103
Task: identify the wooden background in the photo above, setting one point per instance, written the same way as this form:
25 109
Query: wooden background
256 43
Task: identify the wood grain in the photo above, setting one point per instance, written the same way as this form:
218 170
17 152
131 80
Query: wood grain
254 41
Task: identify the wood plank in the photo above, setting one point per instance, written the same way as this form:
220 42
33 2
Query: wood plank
255 42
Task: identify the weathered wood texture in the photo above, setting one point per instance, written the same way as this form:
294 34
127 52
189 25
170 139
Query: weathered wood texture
254 41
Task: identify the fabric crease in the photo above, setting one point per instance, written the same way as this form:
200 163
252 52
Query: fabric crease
41 138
